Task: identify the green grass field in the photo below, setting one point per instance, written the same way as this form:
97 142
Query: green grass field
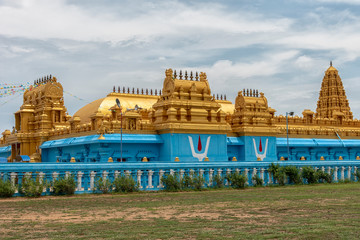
301 212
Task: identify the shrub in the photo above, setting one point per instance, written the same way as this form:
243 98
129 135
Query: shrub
324 177
280 177
310 175
273 168
64 186
218 181
186 182
357 175
293 173
278 173
125 184
198 182
6 188
31 187
236 180
103 185
347 180
171 182
257 181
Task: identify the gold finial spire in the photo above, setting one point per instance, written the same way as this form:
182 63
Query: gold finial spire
330 63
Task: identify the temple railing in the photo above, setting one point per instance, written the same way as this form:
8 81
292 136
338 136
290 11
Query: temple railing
148 175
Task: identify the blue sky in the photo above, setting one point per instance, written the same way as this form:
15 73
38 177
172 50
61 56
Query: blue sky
281 48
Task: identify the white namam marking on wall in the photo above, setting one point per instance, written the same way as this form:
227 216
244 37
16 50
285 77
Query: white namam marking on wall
258 155
199 156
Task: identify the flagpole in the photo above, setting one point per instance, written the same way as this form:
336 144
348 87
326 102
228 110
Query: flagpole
121 134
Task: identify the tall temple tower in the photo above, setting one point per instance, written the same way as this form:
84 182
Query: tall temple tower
332 103
43 110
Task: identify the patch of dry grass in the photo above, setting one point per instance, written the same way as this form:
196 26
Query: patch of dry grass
300 212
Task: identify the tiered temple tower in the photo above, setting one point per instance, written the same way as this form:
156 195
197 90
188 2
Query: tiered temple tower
43 110
186 105
252 114
190 120
332 103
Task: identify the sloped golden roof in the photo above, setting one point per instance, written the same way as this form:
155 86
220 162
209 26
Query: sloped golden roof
127 101
226 106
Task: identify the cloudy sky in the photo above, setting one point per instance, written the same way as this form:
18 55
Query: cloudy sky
281 47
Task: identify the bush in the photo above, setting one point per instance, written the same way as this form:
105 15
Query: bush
64 186
103 185
31 187
125 184
171 182
310 175
236 180
186 182
198 182
278 173
6 189
257 181
324 177
293 173
357 175
347 180
218 181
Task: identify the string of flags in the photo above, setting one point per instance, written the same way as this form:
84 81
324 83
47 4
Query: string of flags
8 89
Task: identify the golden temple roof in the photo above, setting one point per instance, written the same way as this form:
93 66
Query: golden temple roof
226 106
128 101
331 68
103 105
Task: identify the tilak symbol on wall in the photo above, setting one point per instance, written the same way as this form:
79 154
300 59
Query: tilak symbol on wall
199 156
258 154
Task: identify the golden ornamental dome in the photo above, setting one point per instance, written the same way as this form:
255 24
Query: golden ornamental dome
103 105
331 68
128 101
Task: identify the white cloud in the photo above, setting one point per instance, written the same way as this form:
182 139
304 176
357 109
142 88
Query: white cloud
57 19
91 47
355 2
269 65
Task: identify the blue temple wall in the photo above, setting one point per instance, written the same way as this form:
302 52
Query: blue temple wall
166 147
187 148
253 150
91 149
235 148
313 149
